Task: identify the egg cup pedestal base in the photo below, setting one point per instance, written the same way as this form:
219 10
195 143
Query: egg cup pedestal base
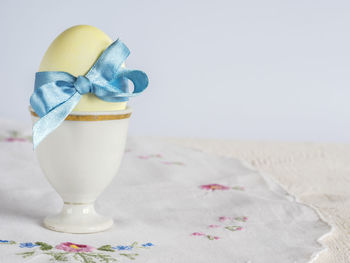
78 219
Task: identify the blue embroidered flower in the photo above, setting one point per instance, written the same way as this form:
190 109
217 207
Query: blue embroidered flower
28 245
4 241
123 247
147 245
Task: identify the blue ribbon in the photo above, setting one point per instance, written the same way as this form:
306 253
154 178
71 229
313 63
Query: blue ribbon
56 93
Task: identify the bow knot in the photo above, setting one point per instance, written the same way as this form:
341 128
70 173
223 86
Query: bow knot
83 85
56 93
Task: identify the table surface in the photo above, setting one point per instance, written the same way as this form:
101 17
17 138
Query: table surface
317 174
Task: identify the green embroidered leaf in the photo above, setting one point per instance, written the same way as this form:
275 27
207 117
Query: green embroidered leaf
13 133
26 254
44 246
88 257
238 188
233 228
106 248
130 256
58 256
134 244
75 256
102 257
210 237
91 257
241 218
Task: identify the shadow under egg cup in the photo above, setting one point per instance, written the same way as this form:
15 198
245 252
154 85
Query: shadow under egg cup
79 159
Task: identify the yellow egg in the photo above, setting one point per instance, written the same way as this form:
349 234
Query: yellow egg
75 51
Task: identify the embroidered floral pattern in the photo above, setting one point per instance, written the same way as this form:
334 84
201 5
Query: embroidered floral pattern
173 163
232 218
198 234
15 136
233 228
71 247
149 156
214 187
71 252
238 188
147 245
8 242
159 156
210 237
122 247
242 219
27 245
223 218
226 223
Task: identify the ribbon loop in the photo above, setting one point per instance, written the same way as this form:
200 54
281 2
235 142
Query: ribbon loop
56 93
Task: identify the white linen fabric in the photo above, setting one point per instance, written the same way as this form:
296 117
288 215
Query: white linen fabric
317 174
169 203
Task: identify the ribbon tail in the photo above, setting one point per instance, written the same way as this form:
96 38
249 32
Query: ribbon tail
46 124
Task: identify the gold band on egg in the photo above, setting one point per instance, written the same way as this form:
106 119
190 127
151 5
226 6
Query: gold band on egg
93 117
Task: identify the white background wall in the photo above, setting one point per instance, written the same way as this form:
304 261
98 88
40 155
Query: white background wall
222 69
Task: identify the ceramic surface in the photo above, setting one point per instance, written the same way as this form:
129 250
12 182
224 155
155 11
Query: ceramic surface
80 159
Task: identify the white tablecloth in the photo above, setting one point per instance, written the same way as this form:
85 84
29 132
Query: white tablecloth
170 204
317 174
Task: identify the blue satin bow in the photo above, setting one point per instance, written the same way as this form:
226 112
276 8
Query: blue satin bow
56 93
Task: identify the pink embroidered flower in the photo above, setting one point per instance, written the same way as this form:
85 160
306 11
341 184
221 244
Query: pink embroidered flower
71 247
15 139
223 218
145 157
214 187
197 234
214 226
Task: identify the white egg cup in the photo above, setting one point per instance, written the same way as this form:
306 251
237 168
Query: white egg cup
79 159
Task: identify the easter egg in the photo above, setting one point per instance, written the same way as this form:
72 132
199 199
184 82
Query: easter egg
75 51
